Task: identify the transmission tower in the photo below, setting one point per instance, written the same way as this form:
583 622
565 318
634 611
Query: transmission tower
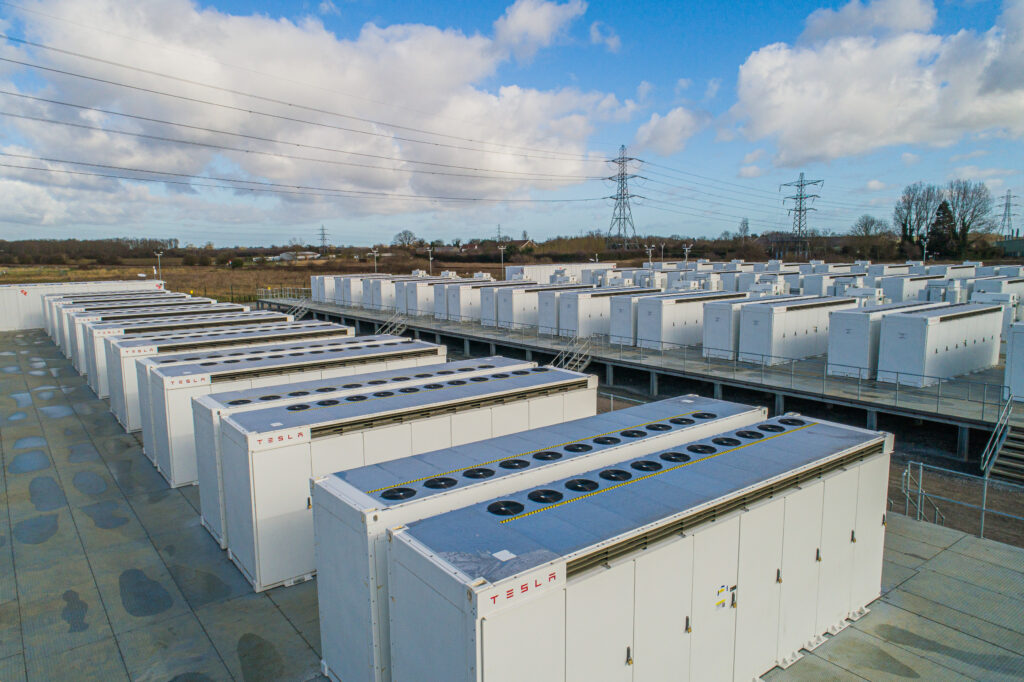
801 204
323 239
1006 226
621 231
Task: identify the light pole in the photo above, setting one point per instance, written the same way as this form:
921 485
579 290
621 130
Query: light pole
374 253
686 253
650 251
159 270
430 260
663 251
924 249
502 247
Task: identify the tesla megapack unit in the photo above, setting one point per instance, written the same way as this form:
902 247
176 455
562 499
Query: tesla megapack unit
489 302
717 560
55 305
519 308
721 335
348 289
71 319
547 310
677 319
919 348
209 410
1010 304
464 298
420 296
1014 373
384 291
622 325
269 455
853 337
78 323
899 288
94 334
172 388
353 509
589 312
1001 285
97 336
123 352
49 302
148 387
21 305
321 288
779 331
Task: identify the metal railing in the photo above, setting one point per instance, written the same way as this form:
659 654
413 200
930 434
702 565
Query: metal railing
916 498
959 397
997 439
976 505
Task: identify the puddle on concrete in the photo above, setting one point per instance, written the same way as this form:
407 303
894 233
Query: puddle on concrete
83 452
7 353
33 460
89 483
49 387
46 395
30 442
45 494
74 612
259 658
22 399
105 515
17 417
11 369
142 596
36 530
56 411
38 372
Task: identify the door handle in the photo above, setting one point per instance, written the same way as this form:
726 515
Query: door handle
309 503
629 656
817 554
853 536
688 628
778 575
734 600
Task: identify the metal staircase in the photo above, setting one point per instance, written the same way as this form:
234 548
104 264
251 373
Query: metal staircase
575 357
394 325
299 310
1003 458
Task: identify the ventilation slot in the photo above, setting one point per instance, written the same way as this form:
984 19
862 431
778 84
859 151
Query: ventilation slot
325 364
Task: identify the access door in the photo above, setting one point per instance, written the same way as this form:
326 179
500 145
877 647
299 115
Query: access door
599 625
801 535
715 552
664 579
838 519
758 589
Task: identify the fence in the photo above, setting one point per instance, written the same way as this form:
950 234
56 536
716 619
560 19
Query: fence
962 397
973 504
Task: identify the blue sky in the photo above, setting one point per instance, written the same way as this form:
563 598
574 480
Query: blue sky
829 101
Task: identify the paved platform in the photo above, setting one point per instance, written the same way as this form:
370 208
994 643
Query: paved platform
106 573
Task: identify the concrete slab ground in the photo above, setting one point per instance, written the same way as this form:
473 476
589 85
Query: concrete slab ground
106 574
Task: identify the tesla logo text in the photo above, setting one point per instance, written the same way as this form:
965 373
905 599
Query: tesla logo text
189 381
281 438
524 588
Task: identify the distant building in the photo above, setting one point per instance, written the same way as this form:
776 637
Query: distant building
297 255
1012 248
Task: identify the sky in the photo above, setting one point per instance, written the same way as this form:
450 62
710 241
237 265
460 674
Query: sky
259 121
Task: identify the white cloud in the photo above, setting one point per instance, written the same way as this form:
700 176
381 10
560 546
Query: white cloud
875 17
875 186
909 159
602 34
529 25
712 89
643 91
976 173
683 84
666 135
327 7
969 155
751 171
753 156
410 75
849 95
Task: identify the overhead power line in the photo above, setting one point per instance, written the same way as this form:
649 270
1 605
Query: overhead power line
288 142
291 105
261 186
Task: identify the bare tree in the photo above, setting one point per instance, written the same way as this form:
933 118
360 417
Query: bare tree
971 206
404 238
915 210
744 229
869 226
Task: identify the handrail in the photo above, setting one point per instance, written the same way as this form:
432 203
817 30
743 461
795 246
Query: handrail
908 478
997 439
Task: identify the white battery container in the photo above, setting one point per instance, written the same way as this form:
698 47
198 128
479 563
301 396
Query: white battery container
900 288
419 296
853 337
353 509
920 348
586 313
270 455
58 305
1009 302
464 298
519 308
715 561
124 352
721 333
676 320
776 332
1013 375
22 304
209 410
50 302
622 324
172 388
